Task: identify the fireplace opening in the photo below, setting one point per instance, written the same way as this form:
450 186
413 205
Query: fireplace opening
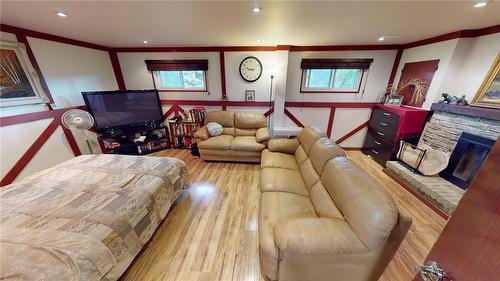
468 155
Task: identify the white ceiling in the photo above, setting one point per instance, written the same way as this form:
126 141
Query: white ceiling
210 23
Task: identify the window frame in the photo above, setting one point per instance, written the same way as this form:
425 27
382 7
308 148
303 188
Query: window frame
157 83
357 89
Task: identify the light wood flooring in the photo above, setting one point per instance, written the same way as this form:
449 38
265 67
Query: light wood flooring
211 231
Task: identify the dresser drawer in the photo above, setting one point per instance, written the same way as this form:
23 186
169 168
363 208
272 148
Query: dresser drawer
373 141
381 133
385 118
377 124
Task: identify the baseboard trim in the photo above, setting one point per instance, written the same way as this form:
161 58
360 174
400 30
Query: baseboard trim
424 200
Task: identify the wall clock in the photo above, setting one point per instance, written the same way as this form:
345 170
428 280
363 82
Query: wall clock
250 69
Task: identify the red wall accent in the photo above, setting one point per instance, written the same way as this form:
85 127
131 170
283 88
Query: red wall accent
351 133
395 67
293 118
28 155
330 122
218 103
46 36
115 62
28 117
223 74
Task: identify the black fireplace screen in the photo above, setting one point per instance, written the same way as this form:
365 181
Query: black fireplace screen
467 157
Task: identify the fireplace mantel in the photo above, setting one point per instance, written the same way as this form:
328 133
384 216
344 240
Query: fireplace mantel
481 112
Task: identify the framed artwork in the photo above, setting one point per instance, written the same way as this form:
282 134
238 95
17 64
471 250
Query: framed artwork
19 82
415 80
249 95
488 94
394 100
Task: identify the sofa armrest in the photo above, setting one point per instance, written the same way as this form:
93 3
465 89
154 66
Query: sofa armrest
283 145
262 135
317 236
201 133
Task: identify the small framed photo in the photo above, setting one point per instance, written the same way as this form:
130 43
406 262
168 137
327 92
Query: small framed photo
250 95
394 100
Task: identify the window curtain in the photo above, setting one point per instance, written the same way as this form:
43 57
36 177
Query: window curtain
335 63
172 65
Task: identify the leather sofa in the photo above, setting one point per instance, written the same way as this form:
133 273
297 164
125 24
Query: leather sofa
244 136
321 216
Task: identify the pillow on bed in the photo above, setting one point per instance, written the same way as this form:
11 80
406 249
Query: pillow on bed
214 129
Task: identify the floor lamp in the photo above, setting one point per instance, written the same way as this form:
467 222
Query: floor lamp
270 101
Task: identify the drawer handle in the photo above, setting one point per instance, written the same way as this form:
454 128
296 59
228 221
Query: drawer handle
386 114
374 151
383 124
380 134
377 142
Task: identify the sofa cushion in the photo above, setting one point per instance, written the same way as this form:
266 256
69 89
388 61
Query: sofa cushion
300 155
308 174
214 129
278 160
322 151
218 142
225 118
276 207
308 136
323 203
364 203
244 132
246 143
284 180
249 120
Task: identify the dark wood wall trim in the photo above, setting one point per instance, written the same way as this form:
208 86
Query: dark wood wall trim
115 63
50 37
395 66
468 33
223 74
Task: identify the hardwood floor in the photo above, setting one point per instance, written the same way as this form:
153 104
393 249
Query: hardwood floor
211 232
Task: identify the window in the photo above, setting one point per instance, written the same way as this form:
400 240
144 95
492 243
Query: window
179 75
333 75
182 80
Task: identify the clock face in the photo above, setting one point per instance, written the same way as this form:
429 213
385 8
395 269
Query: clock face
250 69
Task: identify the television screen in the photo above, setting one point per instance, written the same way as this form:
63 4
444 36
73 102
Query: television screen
112 109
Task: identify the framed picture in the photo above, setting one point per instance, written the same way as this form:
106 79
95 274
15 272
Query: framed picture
394 100
19 82
249 95
488 94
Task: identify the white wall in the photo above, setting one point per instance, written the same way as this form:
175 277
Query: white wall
442 51
68 70
474 58
137 76
374 81
463 65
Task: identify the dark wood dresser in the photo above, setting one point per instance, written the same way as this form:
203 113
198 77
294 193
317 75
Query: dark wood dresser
388 125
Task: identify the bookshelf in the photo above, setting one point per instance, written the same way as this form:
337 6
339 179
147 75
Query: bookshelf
183 127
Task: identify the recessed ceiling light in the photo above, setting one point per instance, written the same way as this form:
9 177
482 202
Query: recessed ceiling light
61 14
259 40
146 41
256 9
382 38
480 4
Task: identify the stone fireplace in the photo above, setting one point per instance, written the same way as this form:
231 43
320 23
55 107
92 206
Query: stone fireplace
466 134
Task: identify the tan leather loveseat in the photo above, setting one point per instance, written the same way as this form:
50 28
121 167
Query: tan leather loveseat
244 136
321 216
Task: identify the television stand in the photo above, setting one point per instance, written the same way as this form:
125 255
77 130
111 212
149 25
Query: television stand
137 141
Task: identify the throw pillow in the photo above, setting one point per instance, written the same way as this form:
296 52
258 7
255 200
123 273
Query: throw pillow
214 129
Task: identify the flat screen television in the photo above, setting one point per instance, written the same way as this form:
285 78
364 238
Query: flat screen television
123 109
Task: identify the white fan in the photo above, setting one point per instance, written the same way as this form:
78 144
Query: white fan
77 119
